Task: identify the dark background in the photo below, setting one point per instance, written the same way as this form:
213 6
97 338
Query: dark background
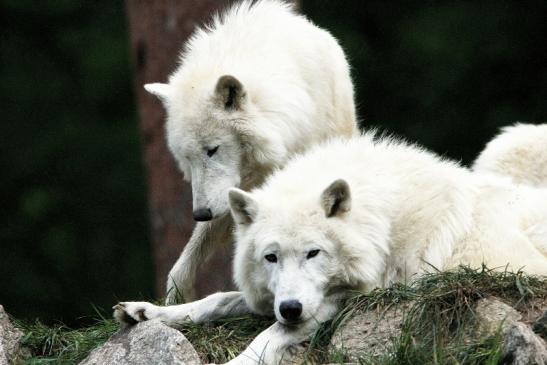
74 232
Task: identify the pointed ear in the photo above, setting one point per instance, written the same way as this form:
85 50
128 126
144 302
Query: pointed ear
336 199
229 93
243 206
162 91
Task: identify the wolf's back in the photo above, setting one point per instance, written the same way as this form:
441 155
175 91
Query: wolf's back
519 152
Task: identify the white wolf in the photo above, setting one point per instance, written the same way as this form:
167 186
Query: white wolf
359 214
257 85
518 152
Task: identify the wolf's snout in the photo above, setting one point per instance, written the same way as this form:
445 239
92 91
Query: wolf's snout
202 214
290 310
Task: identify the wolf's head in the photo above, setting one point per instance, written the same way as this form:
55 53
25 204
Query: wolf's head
297 250
211 131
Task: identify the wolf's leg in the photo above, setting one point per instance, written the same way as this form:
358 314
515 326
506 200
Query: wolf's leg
205 237
271 345
213 307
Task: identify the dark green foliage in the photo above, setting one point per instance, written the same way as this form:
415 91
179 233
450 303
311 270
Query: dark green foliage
74 225
444 73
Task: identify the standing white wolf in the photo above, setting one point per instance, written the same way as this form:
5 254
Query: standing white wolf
518 152
359 214
257 85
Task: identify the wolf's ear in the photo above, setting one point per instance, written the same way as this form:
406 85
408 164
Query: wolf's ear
242 205
336 199
229 93
162 91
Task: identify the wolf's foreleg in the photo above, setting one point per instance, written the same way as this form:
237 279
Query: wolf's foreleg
205 237
271 345
213 307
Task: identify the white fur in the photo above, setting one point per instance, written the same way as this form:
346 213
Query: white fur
296 91
394 211
518 152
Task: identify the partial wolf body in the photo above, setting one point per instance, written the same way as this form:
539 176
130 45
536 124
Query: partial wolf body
359 214
519 152
257 85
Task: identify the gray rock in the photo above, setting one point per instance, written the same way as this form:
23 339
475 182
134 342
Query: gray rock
522 347
369 333
493 315
10 337
149 342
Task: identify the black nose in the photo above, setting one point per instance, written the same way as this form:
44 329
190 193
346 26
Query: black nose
290 309
203 214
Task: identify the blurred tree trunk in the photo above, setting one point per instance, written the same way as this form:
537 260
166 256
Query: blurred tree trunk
158 29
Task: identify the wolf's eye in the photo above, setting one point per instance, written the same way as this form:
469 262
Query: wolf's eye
312 253
212 151
271 257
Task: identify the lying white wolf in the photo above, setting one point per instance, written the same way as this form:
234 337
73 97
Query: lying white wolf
518 152
360 214
257 85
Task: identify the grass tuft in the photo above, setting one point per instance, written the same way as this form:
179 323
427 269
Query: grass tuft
222 340
61 345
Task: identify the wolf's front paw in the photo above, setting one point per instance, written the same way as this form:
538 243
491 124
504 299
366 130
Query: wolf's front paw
133 312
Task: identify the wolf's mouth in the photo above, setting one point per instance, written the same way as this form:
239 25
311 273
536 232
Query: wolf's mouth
296 323
292 324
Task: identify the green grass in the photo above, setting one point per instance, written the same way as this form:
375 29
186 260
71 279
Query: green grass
61 345
220 341
434 329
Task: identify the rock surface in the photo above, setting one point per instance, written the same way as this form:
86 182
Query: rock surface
9 340
371 332
145 343
522 347
493 315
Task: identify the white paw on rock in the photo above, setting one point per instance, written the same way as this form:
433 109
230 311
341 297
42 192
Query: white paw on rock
134 312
